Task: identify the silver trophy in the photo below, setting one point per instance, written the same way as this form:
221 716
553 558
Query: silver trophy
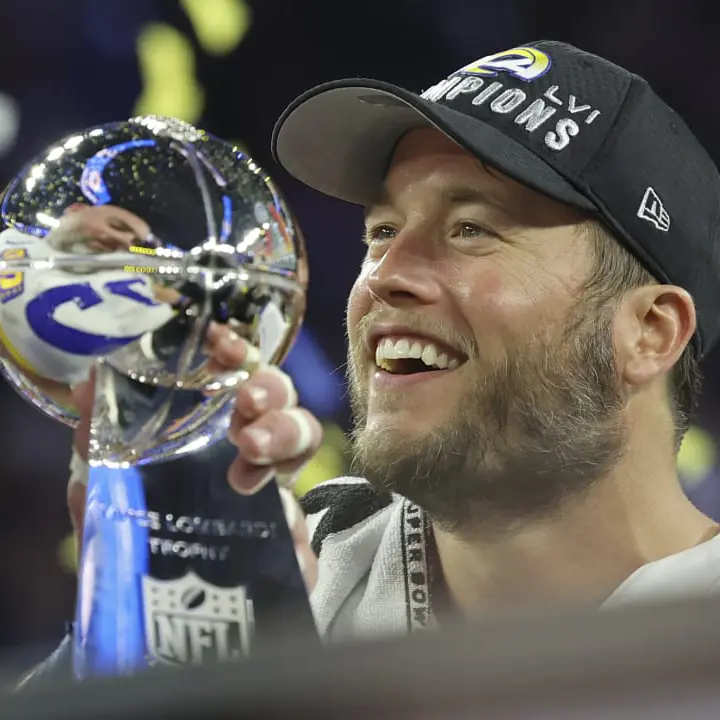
123 249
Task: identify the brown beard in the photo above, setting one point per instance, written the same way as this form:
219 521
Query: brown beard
539 428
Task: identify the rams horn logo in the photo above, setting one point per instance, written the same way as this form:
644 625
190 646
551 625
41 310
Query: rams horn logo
524 63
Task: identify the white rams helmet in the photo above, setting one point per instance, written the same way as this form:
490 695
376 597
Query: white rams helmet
54 323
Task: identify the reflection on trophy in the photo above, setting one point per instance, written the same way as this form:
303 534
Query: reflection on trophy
124 248
82 229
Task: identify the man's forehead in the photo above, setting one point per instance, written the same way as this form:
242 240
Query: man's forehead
452 193
426 152
455 178
428 156
509 201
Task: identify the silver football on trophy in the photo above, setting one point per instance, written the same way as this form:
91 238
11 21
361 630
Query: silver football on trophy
134 248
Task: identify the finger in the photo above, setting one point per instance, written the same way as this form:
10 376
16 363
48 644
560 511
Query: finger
228 351
307 561
122 219
215 331
278 435
83 396
76 494
246 478
75 207
165 294
268 389
118 239
110 242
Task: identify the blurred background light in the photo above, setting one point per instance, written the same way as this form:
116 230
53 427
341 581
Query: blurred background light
327 463
220 25
167 66
320 385
9 123
697 457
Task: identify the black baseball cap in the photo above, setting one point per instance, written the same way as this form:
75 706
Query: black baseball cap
569 124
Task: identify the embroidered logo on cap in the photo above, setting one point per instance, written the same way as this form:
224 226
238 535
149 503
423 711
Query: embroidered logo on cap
524 63
652 209
520 105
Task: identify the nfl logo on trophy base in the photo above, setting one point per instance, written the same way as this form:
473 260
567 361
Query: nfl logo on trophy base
188 620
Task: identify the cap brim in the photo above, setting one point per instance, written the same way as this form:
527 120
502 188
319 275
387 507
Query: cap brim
339 138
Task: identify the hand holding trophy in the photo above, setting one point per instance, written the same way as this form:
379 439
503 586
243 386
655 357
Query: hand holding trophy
131 250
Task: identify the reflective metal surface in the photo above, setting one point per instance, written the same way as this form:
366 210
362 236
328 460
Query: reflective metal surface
137 243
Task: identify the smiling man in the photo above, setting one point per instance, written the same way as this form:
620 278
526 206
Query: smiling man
542 278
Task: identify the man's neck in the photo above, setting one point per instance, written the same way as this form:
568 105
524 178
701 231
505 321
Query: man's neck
581 553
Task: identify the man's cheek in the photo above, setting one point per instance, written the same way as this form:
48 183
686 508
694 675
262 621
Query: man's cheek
366 269
510 309
359 304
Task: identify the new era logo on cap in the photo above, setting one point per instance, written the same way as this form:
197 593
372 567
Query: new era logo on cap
652 209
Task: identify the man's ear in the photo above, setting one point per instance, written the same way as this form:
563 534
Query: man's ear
652 327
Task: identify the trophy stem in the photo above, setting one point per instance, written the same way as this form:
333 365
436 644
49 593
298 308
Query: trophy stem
109 632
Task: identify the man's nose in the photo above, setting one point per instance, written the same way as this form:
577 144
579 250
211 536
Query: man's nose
407 273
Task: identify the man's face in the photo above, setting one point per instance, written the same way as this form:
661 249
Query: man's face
514 401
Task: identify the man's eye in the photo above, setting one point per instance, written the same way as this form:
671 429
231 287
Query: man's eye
469 230
379 234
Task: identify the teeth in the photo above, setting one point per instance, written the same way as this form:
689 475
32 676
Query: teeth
429 355
402 348
387 351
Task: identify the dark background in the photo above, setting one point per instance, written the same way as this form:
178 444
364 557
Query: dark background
232 66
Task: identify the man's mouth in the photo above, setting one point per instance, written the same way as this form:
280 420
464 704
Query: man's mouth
400 355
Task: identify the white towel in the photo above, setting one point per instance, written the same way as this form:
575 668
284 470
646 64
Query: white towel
373 578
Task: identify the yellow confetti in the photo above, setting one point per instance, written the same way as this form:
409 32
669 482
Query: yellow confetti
220 25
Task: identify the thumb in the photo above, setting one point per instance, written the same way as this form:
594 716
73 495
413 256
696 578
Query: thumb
83 396
306 558
76 493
